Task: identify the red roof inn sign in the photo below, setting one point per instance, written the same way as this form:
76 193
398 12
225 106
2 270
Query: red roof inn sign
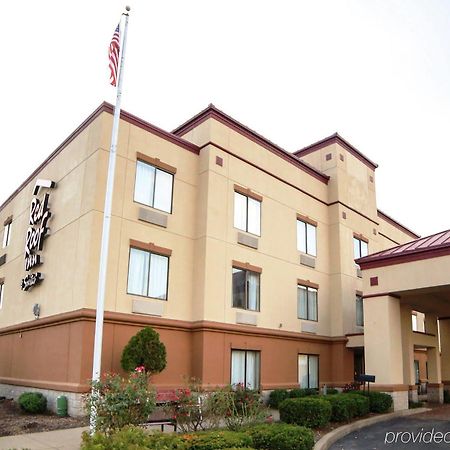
37 231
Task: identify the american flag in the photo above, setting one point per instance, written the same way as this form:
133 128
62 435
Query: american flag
114 50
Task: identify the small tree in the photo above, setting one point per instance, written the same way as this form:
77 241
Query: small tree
144 350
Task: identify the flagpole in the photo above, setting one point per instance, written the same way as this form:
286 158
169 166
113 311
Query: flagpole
98 339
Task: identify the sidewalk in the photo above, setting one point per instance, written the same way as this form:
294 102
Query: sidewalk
68 439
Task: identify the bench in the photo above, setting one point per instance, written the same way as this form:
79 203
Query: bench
157 417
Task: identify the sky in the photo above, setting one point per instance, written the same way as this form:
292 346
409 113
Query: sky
377 72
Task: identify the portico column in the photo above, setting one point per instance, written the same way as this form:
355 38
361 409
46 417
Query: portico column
444 328
409 377
383 347
435 391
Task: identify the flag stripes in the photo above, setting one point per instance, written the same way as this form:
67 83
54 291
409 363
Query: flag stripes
114 50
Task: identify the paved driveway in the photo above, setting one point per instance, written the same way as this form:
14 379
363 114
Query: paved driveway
430 430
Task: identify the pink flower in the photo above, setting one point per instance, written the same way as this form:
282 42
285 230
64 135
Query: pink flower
140 369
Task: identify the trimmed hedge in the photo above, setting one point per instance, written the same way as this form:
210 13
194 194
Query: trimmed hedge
380 402
280 436
346 406
277 396
214 440
131 437
33 402
300 393
332 391
309 412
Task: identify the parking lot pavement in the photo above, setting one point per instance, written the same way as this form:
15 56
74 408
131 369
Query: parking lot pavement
430 430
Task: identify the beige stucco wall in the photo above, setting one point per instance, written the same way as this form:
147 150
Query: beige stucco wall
200 230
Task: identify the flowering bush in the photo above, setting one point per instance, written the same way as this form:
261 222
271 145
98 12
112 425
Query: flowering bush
355 386
238 406
120 401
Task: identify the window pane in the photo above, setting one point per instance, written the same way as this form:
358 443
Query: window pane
364 249
158 276
311 239
238 288
359 311
302 303
301 236
313 371
253 290
303 371
252 381
163 191
145 181
356 248
254 216
237 367
240 211
6 235
414 322
138 272
312 304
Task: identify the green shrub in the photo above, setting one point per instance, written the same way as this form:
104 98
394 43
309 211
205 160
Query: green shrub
120 401
300 393
280 436
33 402
414 405
380 402
144 350
215 440
343 407
310 412
237 405
127 438
332 391
361 404
277 396
446 396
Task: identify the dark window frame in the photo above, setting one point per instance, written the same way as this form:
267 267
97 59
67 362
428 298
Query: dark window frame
246 214
359 246
359 298
246 350
154 186
7 232
308 288
306 238
246 308
318 369
149 263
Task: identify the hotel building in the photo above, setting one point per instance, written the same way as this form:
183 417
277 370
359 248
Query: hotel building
240 254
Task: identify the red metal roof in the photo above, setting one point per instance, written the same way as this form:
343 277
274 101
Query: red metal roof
427 247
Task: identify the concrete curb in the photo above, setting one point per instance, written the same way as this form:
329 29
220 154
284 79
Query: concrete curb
325 442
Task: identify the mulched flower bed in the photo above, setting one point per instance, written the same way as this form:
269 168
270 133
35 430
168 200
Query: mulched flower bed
13 421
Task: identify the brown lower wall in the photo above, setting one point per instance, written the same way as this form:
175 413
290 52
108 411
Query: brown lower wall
56 352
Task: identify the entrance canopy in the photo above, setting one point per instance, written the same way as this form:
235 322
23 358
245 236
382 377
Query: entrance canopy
397 282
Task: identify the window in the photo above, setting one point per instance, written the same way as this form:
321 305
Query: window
6 234
148 274
245 366
2 288
418 321
359 311
306 238
306 303
360 248
153 187
308 371
247 214
414 322
245 289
